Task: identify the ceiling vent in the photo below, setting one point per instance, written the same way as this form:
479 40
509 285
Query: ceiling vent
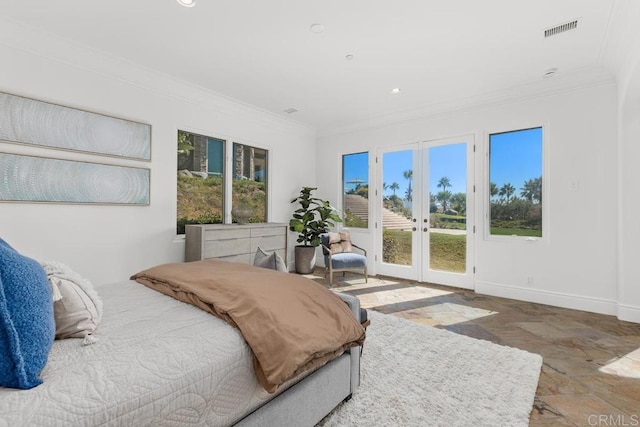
572 25
291 110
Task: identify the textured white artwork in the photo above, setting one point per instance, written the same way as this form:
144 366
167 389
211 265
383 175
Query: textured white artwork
29 121
41 179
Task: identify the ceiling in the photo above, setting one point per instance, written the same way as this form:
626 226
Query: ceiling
263 53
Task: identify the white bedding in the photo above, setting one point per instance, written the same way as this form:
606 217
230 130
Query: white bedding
158 362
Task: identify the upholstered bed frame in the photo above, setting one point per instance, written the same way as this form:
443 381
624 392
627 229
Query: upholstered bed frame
155 360
310 400
159 361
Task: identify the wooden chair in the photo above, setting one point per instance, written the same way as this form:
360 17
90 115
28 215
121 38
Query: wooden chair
339 255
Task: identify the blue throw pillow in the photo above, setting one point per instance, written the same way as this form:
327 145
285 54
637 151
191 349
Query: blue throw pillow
27 327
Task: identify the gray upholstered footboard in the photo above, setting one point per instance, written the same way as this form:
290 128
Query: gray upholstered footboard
310 400
354 304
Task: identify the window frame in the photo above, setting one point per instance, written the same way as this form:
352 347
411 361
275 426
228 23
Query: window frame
343 193
544 127
208 135
231 142
227 184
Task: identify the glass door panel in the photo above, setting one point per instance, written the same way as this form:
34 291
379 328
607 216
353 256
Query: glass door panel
425 210
397 219
447 207
447 258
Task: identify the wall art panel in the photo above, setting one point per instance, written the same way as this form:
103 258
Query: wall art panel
28 121
42 179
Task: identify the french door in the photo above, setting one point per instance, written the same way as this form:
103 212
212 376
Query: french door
424 215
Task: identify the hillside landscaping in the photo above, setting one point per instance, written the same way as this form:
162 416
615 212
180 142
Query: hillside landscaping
200 200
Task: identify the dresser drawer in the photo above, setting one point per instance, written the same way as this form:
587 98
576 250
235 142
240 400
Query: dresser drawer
226 234
233 242
221 248
268 243
244 258
268 231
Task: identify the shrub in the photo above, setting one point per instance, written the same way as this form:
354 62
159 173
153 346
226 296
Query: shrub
350 220
390 246
203 219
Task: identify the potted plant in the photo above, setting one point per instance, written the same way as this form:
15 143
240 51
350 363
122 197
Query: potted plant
310 220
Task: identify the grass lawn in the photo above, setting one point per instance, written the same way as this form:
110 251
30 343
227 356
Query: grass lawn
447 251
502 231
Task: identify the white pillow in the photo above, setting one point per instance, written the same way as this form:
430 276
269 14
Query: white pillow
75 313
77 308
272 261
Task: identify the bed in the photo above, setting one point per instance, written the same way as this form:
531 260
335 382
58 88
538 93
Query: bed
159 362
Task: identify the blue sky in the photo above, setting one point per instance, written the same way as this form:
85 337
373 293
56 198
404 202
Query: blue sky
356 167
515 158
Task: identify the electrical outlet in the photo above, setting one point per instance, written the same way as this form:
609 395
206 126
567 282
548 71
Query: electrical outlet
574 186
529 280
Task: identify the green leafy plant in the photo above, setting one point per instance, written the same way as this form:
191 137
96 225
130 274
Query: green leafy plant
312 218
185 145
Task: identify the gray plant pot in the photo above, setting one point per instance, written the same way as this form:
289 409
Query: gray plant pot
305 259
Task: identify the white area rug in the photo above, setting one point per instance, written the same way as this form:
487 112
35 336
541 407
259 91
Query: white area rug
416 375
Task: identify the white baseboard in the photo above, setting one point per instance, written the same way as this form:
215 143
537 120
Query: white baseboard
629 313
556 299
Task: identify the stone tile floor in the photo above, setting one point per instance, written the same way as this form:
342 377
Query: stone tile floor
591 370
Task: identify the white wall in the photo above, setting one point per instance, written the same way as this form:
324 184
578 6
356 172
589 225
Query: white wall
628 74
109 243
574 265
629 207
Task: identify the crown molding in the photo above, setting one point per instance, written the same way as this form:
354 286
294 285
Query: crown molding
562 83
43 44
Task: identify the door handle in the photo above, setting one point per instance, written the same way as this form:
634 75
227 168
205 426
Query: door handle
425 229
413 229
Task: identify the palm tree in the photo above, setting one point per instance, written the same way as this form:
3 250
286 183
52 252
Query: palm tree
394 186
493 189
408 175
444 183
433 208
385 186
459 203
532 190
507 190
443 197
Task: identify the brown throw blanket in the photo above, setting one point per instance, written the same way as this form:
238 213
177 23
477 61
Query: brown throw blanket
291 323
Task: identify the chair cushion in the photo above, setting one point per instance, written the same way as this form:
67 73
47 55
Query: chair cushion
345 241
339 242
348 260
26 319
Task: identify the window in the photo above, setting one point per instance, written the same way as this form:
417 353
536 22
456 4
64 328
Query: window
355 186
249 192
200 180
515 182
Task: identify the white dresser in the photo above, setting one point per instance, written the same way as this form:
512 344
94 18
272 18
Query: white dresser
234 242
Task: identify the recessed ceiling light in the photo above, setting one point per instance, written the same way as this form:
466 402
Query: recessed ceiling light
186 3
550 73
317 28
395 90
